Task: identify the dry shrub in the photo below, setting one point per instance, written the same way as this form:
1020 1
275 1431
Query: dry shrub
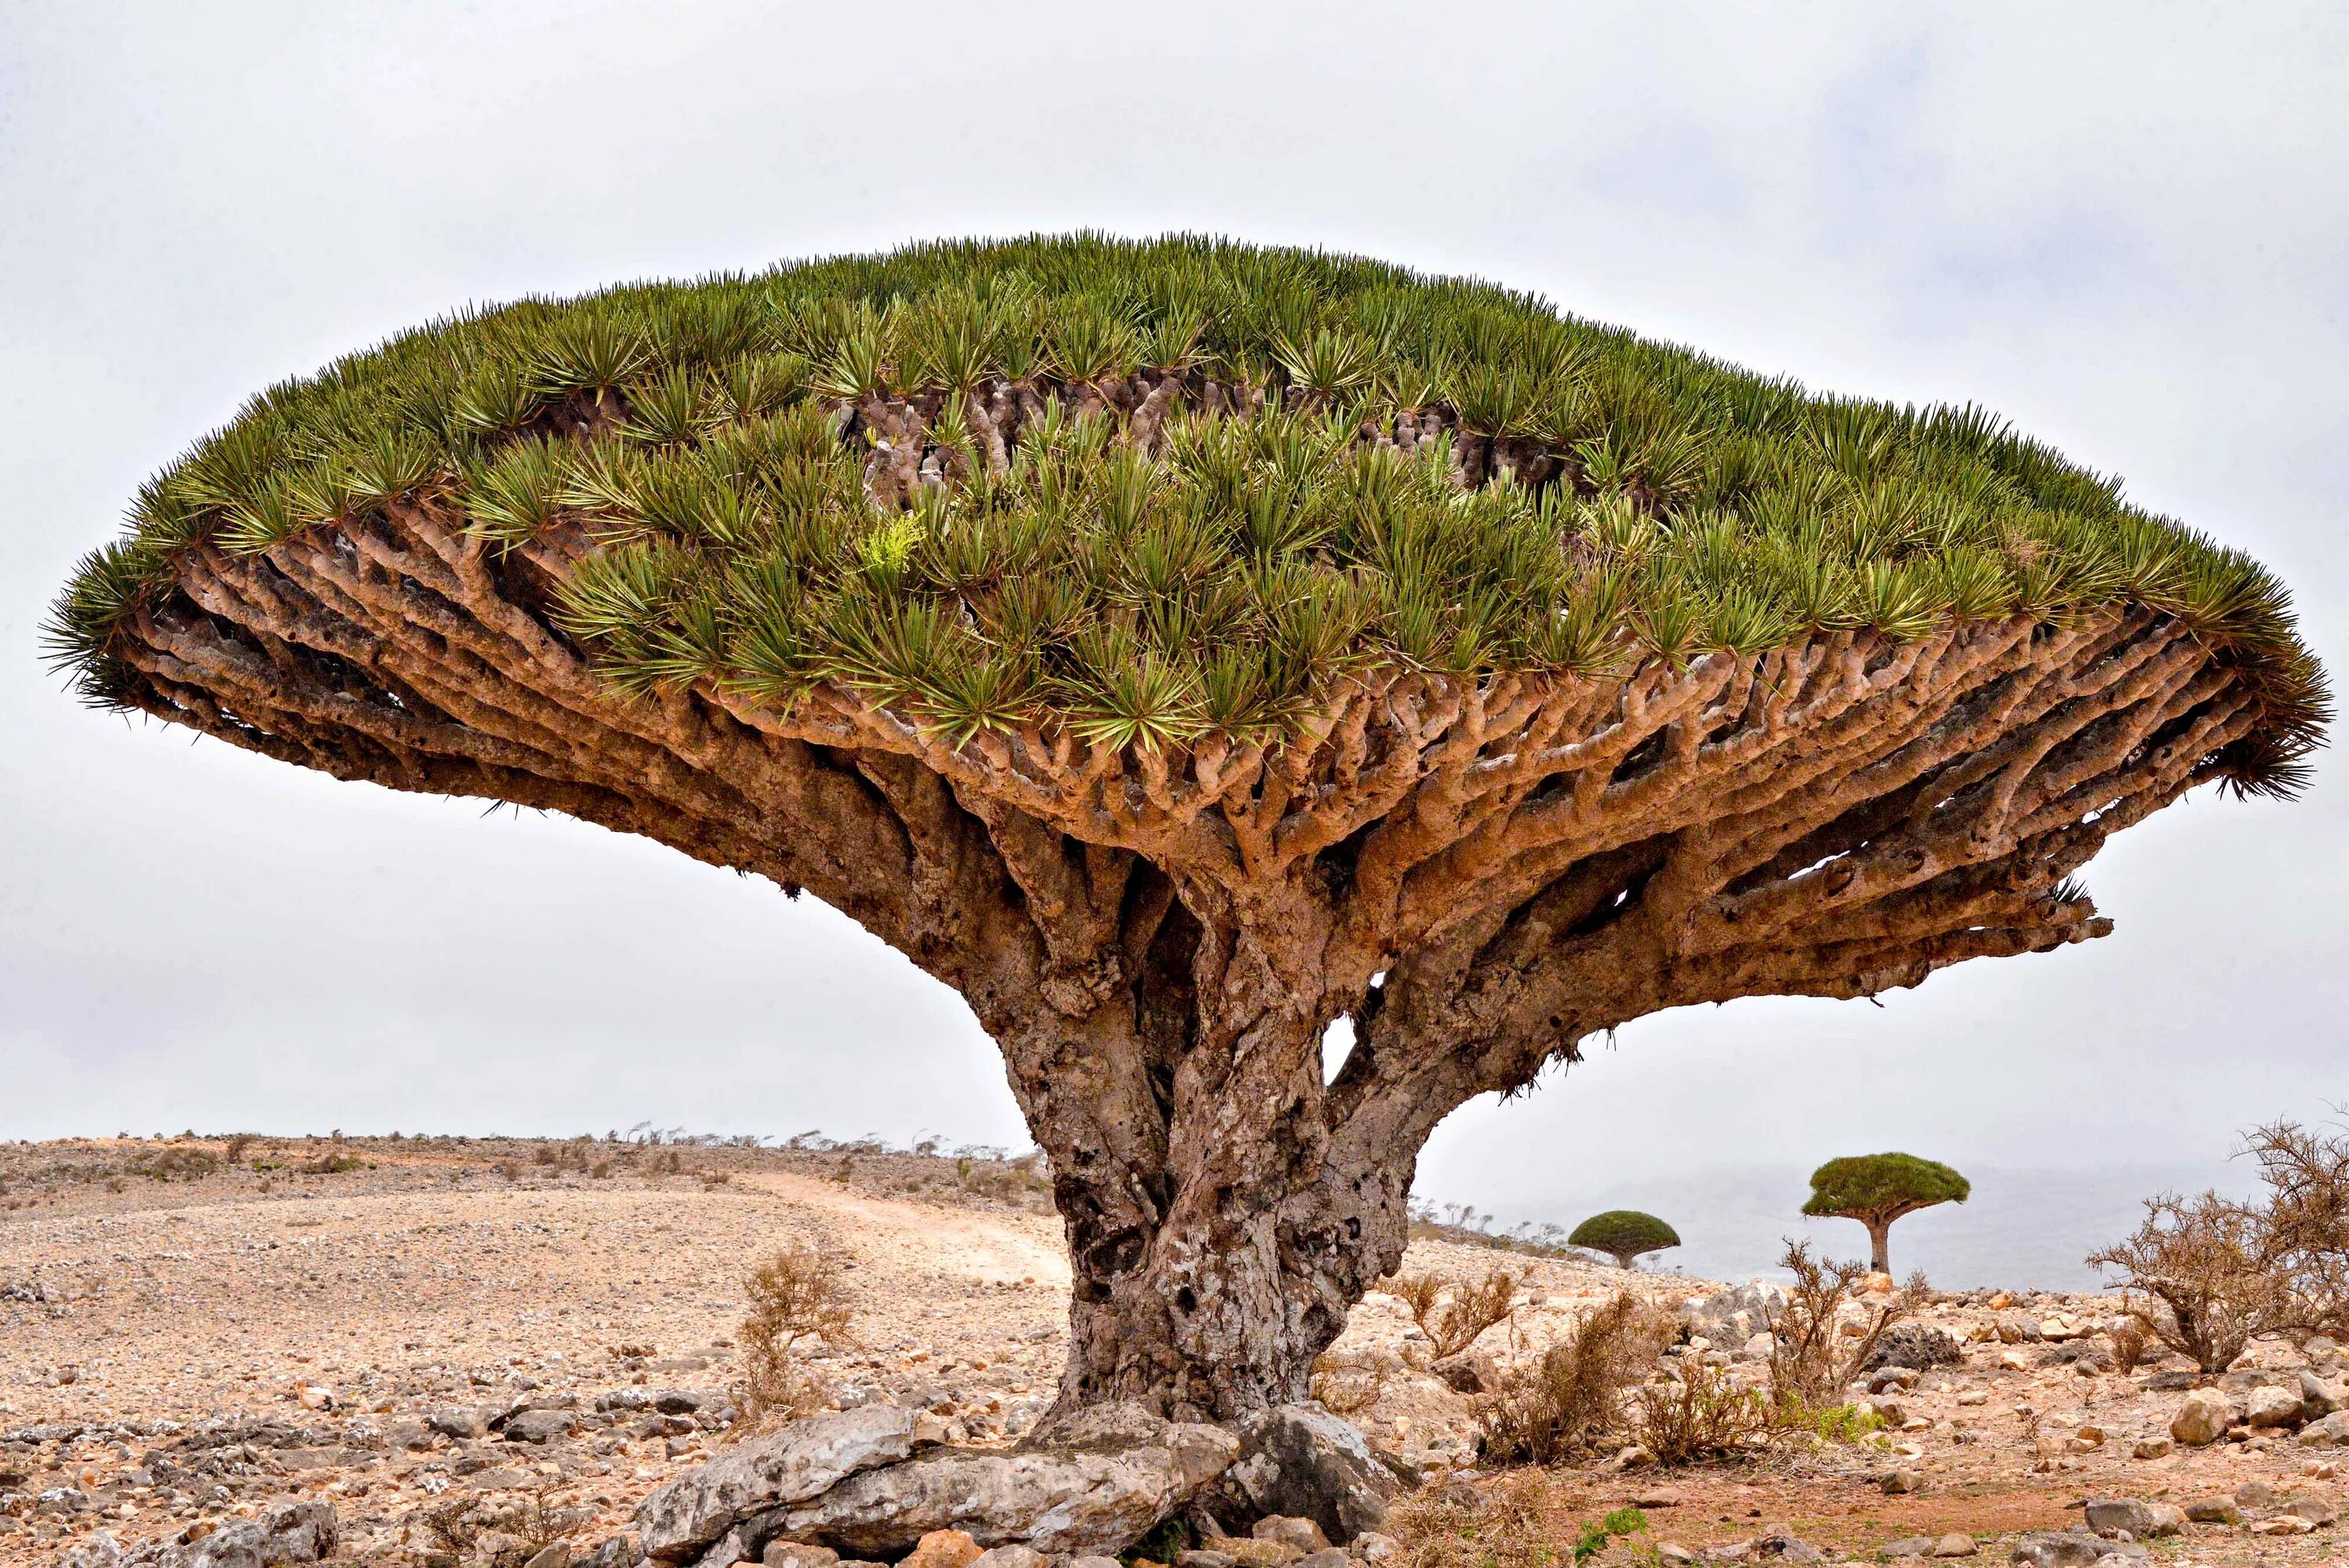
1454 1317
2216 1270
1811 1356
1702 1414
2129 1340
1562 1402
235 1152
1351 1380
796 1295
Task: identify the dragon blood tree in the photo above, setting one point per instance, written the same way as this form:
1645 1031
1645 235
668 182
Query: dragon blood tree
1623 1234
1177 646
1878 1188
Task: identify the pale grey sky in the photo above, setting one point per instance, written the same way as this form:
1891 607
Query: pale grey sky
2125 226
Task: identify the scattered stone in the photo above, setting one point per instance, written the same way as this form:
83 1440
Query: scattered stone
1250 1553
1196 1557
1902 1482
2258 1494
2326 1432
1657 1498
1330 1557
2272 1407
1672 1552
1914 1344
541 1426
2315 1511
2019 1331
798 1554
1781 1544
1094 1560
1956 1543
2281 1524
1012 1554
2073 1549
2152 1449
553 1554
2203 1418
2214 1511
1374 1547
2318 1399
457 1421
1917 1546
943 1548
2169 1382
1302 1533
1306 1463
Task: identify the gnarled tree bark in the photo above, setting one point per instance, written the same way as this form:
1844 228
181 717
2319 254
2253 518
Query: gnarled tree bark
1480 873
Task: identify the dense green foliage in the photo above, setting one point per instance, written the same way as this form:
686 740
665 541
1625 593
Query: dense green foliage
708 436
1623 1234
1860 1186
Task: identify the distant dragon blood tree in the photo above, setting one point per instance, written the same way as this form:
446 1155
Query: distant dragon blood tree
1623 1234
1878 1188
1176 646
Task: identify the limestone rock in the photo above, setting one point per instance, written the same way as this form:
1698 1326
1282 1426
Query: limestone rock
1088 1487
2272 1407
2143 1520
2203 1418
1956 1543
1907 1546
2214 1511
943 1548
2153 1449
1902 1482
1307 1463
2318 1399
1010 1555
1250 1553
801 1462
1914 1344
457 1421
2073 1549
296 1533
2327 1432
1375 1548
541 1426
1302 1533
795 1554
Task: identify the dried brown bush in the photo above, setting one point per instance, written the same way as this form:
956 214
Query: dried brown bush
1454 1317
1563 1401
1811 1356
1514 1523
2306 1173
2218 1272
796 1295
1701 1414
2128 1338
1346 1381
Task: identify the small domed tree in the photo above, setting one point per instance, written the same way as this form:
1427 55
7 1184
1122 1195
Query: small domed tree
1623 1234
1878 1188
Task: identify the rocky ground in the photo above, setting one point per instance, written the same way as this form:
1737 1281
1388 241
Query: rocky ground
468 1345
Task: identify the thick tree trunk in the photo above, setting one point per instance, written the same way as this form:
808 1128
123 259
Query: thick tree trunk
1879 1245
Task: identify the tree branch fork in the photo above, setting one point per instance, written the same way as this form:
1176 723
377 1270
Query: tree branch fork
1480 872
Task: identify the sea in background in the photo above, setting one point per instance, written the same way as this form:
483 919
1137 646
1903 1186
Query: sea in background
2022 1228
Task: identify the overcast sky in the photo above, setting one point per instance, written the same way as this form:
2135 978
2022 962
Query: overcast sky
2126 227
